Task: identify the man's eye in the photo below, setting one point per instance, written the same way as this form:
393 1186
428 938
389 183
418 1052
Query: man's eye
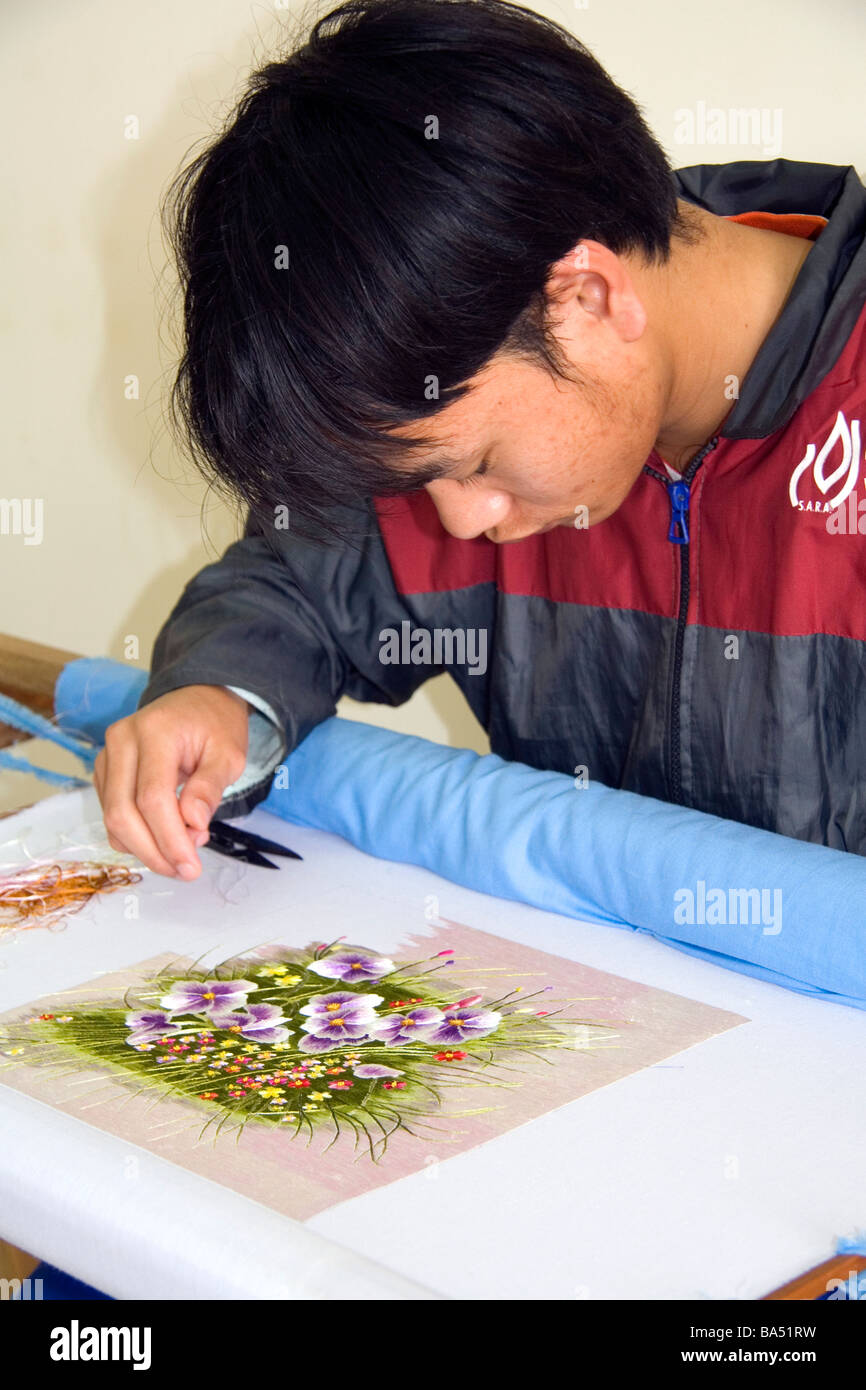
474 477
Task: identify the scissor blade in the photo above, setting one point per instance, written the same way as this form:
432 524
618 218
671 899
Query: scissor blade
242 854
248 837
252 856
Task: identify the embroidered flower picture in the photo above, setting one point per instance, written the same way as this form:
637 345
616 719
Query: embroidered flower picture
273 1043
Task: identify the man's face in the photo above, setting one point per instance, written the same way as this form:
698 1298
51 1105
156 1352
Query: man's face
547 446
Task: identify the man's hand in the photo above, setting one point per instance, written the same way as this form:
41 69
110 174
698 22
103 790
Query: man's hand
196 735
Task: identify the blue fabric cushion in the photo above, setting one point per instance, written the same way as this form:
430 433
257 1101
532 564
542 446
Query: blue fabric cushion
752 901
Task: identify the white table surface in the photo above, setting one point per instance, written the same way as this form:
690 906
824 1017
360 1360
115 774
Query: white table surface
719 1174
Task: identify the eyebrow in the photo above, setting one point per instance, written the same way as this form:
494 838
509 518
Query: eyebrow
439 467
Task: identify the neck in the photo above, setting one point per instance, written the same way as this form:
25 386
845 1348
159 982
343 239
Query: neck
715 302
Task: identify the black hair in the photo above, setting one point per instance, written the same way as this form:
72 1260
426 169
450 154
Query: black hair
376 221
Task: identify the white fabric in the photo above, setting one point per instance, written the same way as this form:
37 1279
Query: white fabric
266 746
719 1174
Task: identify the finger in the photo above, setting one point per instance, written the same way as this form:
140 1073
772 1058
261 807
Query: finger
156 800
199 801
124 822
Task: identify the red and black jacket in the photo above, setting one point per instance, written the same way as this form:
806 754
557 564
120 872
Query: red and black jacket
703 645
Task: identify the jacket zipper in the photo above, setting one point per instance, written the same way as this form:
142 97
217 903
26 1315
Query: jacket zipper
679 495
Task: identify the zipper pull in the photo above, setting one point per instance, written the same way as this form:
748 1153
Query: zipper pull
679 494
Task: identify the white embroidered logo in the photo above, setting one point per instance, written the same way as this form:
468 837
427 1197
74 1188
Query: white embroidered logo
847 438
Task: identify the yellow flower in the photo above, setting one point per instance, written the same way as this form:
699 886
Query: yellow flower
282 1047
270 1091
272 970
321 1095
15 1051
311 1107
290 980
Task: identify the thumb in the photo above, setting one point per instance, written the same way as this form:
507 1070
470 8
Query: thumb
203 792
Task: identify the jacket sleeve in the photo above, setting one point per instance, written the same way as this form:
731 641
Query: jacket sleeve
295 625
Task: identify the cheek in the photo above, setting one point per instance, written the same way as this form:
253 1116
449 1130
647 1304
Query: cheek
608 457
557 455
551 457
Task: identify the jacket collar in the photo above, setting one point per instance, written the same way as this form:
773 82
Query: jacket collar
828 294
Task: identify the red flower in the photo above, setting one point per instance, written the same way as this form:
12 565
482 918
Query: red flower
296 1084
46 1016
392 1085
450 1056
341 1085
207 1095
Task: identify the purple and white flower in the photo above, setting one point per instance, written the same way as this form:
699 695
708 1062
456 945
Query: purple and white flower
342 1009
416 1025
352 965
207 996
464 1025
259 1022
371 1070
147 1025
310 1043
338 1018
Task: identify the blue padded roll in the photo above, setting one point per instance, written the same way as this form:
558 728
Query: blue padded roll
782 910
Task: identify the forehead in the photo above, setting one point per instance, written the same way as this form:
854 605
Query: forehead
459 429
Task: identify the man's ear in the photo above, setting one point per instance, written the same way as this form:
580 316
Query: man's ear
592 277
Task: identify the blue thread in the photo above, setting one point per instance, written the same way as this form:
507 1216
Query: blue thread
57 779
20 717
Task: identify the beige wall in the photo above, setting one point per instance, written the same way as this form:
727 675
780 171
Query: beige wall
86 280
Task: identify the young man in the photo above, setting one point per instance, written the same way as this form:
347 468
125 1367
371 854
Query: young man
610 418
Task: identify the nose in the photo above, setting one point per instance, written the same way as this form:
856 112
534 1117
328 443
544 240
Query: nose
468 512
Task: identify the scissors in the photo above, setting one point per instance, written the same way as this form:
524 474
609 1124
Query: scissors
245 846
